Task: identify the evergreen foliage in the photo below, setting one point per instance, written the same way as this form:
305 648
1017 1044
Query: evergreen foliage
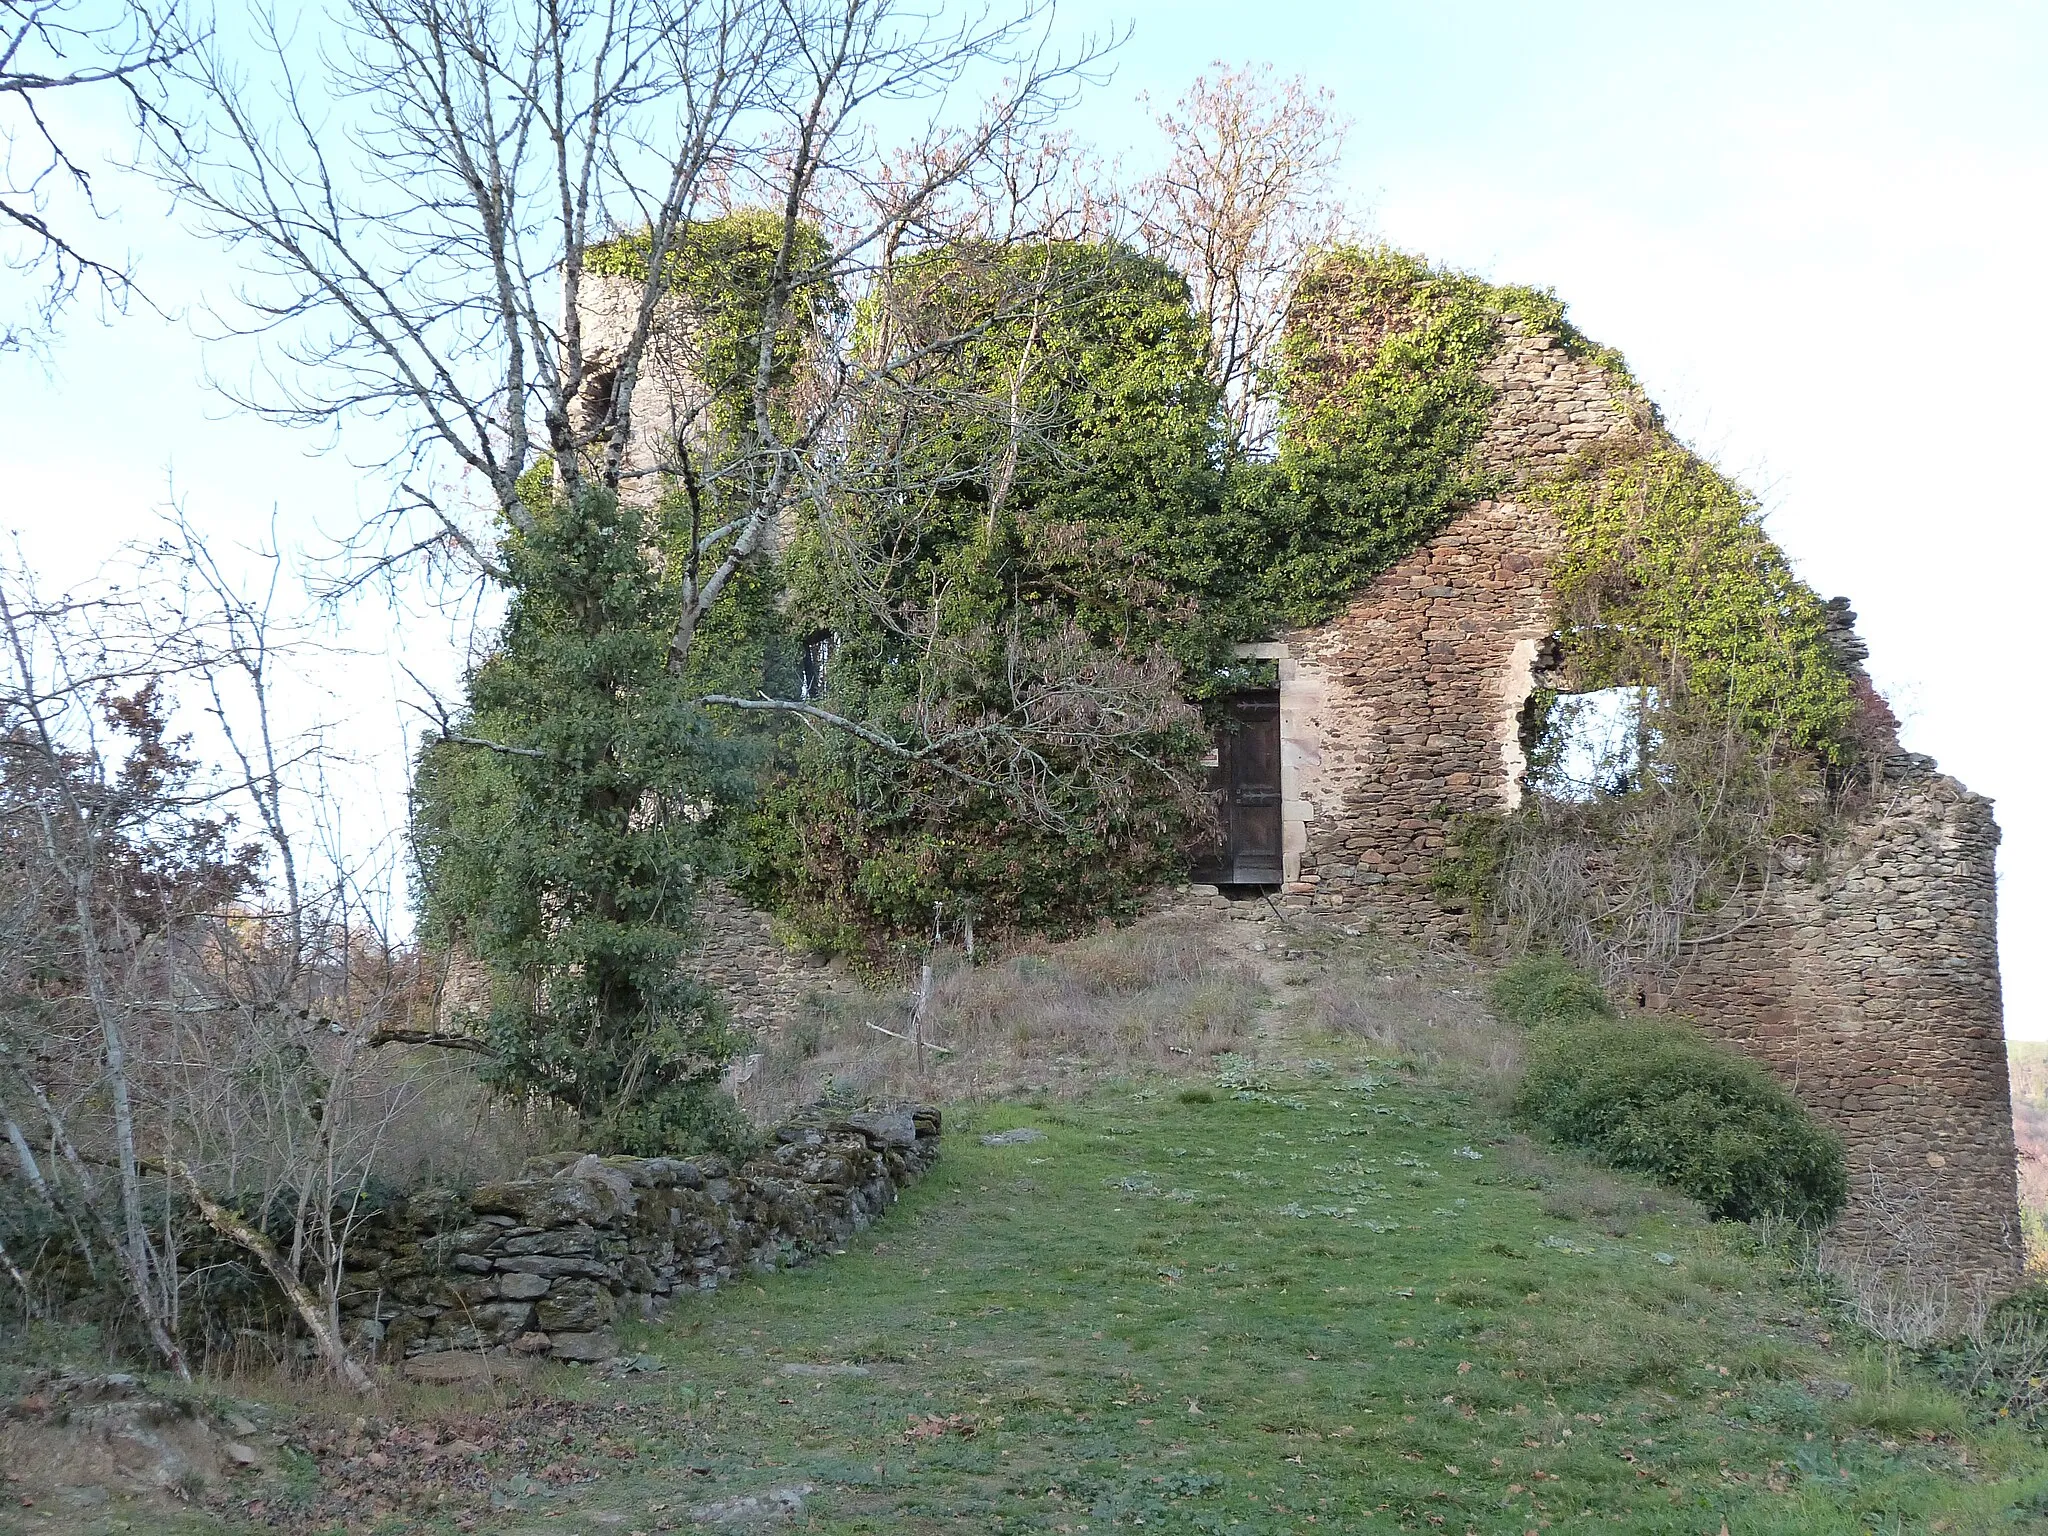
1044 509
1383 402
718 274
1063 475
1657 1098
1547 989
562 841
1669 578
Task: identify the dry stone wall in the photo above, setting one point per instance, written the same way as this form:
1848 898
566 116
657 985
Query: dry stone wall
545 1264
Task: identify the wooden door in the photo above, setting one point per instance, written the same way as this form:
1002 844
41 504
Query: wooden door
1246 782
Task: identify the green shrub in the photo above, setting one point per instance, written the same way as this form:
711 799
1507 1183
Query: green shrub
1655 1098
2001 1367
1545 989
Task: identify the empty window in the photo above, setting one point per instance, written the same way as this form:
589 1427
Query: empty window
1581 746
817 657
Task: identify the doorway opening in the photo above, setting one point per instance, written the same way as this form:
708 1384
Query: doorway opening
1244 779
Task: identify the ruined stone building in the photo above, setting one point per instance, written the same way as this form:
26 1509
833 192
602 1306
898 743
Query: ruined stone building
1869 983
1867 978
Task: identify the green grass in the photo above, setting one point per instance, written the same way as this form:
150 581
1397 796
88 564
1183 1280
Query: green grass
1309 1308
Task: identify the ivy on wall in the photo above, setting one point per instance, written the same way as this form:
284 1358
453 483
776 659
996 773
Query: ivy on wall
718 272
1668 577
1383 402
1025 521
1065 466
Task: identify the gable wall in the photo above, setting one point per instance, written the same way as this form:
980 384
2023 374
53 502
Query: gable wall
1869 984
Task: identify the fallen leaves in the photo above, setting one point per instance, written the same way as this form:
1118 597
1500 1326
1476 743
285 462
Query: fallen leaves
933 1426
453 1467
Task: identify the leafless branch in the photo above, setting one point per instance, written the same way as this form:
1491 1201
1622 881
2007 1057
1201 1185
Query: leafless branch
389 1035
1245 198
48 46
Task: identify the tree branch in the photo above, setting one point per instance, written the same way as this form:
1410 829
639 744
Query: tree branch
239 1232
453 1042
851 728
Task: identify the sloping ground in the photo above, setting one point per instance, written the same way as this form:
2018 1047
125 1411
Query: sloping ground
1326 1292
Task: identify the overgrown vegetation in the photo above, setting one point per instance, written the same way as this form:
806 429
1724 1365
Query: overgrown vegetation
1076 471
975 503
1539 990
562 825
1324 1286
2027 1069
717 274
1382 402
1655 1097
1038 574
1669 579
1748 727
1999 1362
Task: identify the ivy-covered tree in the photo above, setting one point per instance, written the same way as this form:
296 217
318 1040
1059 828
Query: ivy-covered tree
1067 464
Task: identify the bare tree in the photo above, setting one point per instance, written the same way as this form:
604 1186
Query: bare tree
185 1018
67 823
473 220
418 207
1246 196
47 46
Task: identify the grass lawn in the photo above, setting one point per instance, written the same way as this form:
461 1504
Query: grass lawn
1340 1300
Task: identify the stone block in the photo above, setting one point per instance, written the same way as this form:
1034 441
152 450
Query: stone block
575 1306
587 1348
522 1287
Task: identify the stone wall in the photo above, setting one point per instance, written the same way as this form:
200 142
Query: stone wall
1870 984
740 958
667 397
1402 712
545 1264
760 980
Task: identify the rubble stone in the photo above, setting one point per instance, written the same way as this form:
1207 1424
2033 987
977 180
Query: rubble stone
545 1263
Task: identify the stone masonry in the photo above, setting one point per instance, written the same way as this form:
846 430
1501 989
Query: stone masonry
1401 712
544 1264
1869 982
761 979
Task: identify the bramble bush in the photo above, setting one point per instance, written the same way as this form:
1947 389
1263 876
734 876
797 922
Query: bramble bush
2000 1365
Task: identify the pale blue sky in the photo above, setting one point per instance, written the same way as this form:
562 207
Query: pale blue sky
1815 230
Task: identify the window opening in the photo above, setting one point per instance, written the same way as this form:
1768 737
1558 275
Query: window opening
817 657
1591 745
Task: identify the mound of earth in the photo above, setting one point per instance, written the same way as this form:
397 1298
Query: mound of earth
85 1444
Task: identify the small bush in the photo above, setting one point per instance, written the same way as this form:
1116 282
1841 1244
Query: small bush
2000 1366
1657 1099
1545 989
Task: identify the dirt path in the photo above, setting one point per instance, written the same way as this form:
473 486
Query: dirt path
1284 951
